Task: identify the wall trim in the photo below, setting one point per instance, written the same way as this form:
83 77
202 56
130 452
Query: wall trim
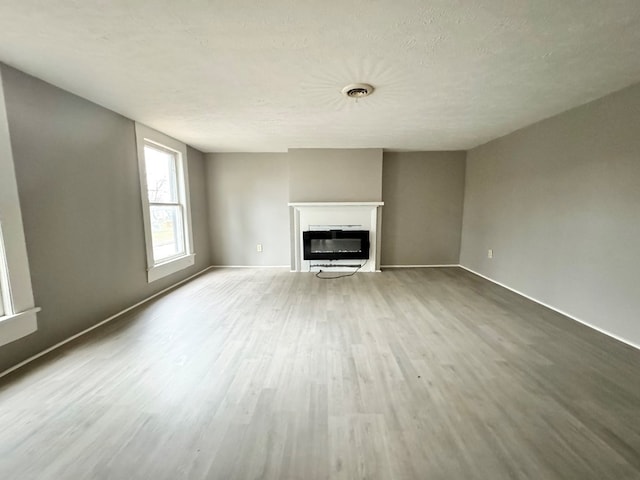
99 324
568 315
420 266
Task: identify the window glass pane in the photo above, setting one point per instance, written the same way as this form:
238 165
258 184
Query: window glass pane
4 293
162 185
167 232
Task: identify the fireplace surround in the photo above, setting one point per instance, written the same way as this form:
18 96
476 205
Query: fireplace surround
331 217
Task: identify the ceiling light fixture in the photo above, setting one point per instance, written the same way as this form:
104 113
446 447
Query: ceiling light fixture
358 90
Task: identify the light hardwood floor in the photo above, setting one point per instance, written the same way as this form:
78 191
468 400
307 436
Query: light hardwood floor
409 374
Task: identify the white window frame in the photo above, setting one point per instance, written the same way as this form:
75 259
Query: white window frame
149 136
18 315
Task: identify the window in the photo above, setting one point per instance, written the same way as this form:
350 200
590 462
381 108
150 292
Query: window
165 210
17 310
165 200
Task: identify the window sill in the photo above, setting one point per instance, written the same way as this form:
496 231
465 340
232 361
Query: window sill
164 269
13 327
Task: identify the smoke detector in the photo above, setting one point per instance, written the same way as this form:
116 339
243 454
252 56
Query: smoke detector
358 90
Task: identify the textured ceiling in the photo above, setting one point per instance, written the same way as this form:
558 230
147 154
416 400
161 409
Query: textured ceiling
266 76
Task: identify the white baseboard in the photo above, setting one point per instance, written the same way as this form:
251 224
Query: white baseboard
93 327
551 307
419 266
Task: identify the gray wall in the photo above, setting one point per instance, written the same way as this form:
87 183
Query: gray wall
335 175
249 193
79 192
559 202
423 195
248 196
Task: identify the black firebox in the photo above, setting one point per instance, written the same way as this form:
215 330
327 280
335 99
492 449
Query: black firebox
336 244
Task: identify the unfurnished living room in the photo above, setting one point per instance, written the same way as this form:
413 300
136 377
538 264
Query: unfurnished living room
365 239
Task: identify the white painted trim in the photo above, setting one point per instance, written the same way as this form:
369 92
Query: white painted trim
296 246
18 312
251 266
336 204
99 324
18 325
164 269
568 315
420 266
144 135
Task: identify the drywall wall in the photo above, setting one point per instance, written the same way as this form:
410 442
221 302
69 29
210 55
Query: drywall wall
77 178
559 204
335 175
249 192
423 194
248 196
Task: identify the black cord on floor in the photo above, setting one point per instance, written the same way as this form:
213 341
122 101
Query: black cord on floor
341 276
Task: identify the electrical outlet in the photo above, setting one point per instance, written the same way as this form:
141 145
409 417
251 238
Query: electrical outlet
490 253
259 247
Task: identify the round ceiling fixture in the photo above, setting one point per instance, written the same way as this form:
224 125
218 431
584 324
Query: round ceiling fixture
358 90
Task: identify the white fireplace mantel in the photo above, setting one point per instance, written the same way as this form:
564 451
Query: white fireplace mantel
305 215
337 204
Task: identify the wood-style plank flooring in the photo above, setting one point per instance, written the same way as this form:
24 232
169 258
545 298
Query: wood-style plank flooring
264 374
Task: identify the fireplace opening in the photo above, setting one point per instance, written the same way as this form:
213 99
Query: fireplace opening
335 244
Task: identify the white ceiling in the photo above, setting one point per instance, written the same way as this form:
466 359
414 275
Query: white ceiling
251 75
